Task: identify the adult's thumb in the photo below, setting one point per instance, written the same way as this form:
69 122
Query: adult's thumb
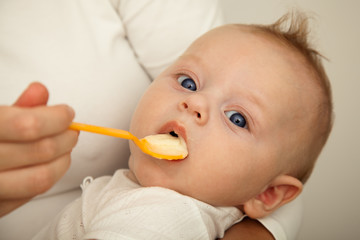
36 94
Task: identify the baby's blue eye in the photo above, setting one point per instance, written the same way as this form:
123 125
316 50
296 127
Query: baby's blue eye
236 118
187 82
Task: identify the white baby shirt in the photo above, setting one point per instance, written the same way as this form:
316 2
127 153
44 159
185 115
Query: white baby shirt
117 208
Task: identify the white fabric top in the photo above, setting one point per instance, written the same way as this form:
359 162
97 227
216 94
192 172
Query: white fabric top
117 208
98 57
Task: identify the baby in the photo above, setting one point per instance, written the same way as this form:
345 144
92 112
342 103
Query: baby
253 105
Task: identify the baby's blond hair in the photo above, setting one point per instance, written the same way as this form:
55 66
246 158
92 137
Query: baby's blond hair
292 31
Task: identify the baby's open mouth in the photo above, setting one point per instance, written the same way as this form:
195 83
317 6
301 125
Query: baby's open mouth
172 133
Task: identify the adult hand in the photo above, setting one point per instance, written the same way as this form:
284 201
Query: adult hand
35 146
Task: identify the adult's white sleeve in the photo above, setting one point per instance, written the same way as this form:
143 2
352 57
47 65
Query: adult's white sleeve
174 25
284 223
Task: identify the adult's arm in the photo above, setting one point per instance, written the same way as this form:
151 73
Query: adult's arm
283 224
248 229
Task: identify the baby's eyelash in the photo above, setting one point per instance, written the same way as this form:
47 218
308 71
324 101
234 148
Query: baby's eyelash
188 73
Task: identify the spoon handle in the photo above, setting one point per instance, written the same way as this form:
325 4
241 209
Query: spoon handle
102 130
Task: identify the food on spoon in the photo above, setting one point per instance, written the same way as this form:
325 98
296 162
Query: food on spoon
167 144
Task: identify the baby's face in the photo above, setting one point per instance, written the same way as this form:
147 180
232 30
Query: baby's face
237 101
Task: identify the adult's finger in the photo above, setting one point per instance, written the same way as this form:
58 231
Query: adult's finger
32 153
27 124
8 206
34 95
31 181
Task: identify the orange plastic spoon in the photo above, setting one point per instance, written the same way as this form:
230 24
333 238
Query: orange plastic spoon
143 144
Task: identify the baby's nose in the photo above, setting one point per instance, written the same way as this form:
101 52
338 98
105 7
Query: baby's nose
197 107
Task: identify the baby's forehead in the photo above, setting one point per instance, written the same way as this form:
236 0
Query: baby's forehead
237 41
243 35
269 58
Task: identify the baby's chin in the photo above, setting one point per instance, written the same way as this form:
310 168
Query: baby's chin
146 172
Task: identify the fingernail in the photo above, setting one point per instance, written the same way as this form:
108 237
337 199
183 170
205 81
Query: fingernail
71 111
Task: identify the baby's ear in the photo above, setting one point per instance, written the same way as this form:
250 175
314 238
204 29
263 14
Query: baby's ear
281 191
